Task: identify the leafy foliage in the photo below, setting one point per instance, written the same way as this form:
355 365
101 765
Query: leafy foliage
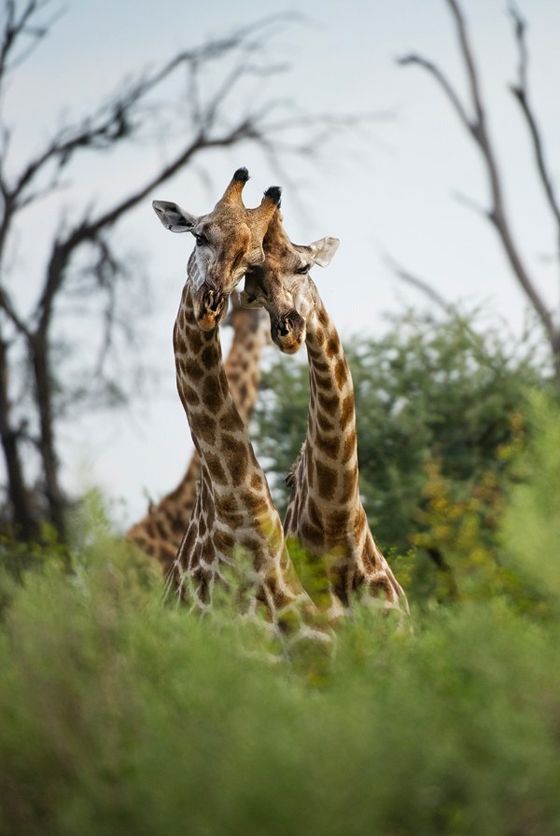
532 521
447 392
123 714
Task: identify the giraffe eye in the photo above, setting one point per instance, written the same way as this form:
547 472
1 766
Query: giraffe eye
301 271
201 240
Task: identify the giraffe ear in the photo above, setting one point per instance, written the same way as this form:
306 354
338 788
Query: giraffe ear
173 217
322 251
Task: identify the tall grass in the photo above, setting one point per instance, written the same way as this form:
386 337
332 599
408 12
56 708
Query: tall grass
122 714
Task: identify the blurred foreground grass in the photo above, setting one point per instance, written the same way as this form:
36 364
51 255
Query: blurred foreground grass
122 714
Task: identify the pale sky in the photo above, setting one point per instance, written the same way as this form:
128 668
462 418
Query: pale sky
391 190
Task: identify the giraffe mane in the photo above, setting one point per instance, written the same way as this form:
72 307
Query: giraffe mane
290 478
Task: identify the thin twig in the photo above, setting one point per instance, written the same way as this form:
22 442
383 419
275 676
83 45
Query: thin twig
478 130
520 91
427 289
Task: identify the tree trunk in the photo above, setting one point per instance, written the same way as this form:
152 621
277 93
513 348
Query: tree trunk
24 524
43 399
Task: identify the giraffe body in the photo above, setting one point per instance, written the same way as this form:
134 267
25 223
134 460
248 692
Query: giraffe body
325 512
233 508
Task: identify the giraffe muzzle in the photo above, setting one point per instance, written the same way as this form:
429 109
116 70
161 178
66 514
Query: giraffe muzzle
288 332
211 309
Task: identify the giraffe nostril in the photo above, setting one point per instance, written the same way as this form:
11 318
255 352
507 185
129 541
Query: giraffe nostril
283 328
214 300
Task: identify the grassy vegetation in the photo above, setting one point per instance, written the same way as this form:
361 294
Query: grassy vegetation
122 714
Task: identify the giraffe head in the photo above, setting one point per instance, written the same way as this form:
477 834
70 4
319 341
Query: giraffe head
283 286
229 241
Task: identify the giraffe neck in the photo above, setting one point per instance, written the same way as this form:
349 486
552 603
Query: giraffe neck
159 532
217 427
325 511
331 430
243 363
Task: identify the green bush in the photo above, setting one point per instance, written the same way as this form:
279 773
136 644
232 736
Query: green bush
123 714
532 521
451 391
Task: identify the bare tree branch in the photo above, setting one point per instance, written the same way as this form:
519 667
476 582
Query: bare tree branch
7 306
19 25
521 94
473 205
478 130
442 80
427 289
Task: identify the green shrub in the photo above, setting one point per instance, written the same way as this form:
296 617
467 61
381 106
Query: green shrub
123 714
451 391
120 715
532 521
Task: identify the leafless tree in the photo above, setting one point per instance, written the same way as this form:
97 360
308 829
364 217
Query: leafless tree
473 117
83 258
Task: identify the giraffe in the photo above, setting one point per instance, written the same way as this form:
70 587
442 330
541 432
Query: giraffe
325 512
158 533
233 507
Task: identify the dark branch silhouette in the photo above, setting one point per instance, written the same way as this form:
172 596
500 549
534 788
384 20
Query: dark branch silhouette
521 92
473 118
422 285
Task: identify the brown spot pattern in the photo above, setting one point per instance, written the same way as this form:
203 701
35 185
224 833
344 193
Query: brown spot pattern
328 402
254 502
323 382
347 411
311 534
194 370
204 426
329 445
349 485
191 396
210 356
235 456
324 423
360 522
180 344
349 447
256 481
337 523
215 467
313 512
223 541
326 480
195 341
211 394
333 345
341 373
231 420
